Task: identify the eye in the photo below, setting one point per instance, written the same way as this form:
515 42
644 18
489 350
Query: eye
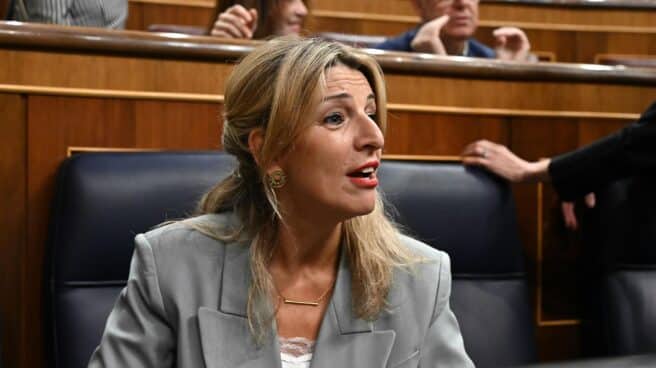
334 119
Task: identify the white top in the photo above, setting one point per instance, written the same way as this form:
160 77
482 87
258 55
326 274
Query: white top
295 352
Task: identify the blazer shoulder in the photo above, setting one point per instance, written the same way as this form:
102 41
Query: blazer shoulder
202 232
423 250
430 277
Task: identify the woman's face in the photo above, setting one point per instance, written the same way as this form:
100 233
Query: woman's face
331 169
289 18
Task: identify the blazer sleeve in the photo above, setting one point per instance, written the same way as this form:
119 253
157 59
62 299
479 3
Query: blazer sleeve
137 334
630 151
444 346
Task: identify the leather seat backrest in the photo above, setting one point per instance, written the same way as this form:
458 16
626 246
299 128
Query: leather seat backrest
470 215
102 201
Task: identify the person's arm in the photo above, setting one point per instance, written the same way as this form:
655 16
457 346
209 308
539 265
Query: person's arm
503 162
46 11
137 333
444 346
631 151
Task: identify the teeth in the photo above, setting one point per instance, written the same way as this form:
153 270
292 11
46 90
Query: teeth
368 170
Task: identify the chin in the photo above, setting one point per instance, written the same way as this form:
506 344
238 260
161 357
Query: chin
461 33
361 210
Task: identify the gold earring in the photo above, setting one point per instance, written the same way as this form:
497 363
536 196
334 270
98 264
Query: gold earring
277 179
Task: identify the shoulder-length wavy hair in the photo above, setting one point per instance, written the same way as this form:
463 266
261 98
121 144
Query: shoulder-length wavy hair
276 88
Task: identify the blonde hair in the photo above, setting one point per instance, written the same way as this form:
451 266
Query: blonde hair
275 88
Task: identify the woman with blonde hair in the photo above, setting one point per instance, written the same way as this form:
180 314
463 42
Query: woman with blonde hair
291 260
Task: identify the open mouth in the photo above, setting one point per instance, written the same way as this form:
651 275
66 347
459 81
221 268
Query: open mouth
367 172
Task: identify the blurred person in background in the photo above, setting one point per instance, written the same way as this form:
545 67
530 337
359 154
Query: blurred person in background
448 27
253 19
85 13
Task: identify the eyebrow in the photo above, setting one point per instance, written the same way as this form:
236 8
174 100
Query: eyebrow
346 95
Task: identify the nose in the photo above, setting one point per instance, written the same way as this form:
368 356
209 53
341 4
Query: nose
457 4
300 9
369 136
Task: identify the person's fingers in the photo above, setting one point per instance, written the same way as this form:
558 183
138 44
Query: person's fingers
221 29
590 200
475 149
500 41
226 28
233 24
220 33
254 16
567 209
428 39
474 161
240 11
511 35
508 32
439 22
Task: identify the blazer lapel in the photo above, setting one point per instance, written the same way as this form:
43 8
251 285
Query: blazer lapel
344 339
225 336
227 342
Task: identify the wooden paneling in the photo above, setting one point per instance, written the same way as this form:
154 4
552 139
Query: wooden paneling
567 15
112 73
440 134
516 95
389 7
143 14
57 123
583 47
4 8
13 179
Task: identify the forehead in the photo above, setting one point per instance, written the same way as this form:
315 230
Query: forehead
342 78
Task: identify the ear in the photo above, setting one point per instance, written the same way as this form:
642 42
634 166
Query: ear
255 142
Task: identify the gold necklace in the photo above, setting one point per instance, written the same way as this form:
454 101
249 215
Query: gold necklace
304 302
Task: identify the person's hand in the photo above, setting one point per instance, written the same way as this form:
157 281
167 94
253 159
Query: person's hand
512 44
235 22
569 216
428 39
501 161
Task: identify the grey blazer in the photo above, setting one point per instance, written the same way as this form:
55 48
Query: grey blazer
185 306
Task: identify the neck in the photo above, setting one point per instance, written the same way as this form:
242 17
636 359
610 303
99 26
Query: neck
302 245
454 46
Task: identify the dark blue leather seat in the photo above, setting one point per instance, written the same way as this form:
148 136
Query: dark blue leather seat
471 215
102 200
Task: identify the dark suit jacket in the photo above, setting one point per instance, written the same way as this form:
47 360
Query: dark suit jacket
629 152
403 41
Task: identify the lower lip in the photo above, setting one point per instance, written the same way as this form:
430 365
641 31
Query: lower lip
365 182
